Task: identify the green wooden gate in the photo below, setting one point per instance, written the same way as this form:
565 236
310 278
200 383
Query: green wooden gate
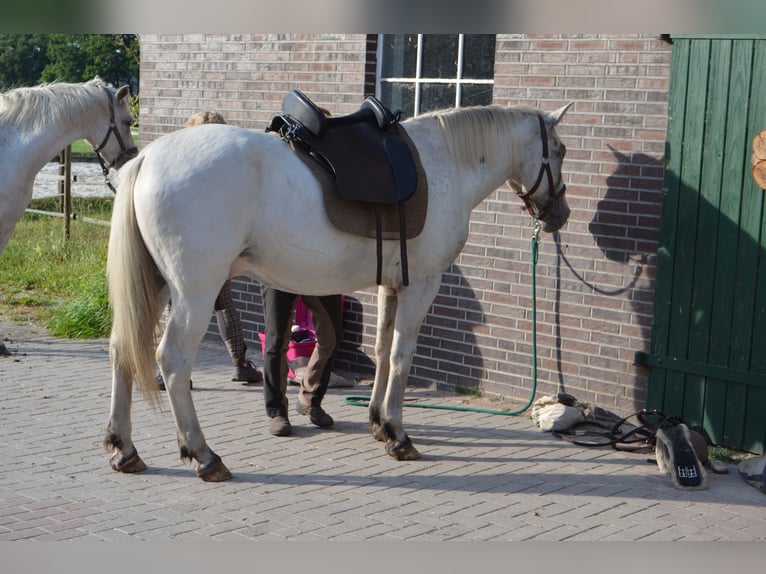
708 352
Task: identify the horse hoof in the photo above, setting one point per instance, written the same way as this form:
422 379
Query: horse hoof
130 464
402 450
214 472
378 433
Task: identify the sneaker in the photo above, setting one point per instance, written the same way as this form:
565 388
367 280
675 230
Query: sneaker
316 415
246 373
161 382
280 426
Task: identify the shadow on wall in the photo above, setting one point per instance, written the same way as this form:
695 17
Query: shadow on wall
351 356
447 348
447 352
625 227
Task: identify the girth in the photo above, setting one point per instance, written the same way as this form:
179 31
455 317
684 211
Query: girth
364 152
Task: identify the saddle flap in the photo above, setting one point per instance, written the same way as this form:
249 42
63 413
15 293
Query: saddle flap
369 165
402 166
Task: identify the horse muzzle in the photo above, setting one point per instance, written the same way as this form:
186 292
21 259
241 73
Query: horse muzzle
124 157
556 213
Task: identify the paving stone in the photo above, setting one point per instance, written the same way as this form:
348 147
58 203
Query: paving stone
481 477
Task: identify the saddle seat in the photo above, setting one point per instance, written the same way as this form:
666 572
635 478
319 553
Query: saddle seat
365 152
297 105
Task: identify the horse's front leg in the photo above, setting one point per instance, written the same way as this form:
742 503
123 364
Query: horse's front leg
175 360
387 299
118 432
412 305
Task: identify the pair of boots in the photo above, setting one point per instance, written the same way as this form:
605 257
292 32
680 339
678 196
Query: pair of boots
280 425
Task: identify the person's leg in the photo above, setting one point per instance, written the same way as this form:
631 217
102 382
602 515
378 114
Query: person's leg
278 310
230 327
326 314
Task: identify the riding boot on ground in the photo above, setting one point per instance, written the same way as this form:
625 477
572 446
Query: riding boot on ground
246 372
161 382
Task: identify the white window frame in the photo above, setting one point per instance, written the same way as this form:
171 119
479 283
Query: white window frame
418 80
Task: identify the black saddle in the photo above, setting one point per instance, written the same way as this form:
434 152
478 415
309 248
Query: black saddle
364 152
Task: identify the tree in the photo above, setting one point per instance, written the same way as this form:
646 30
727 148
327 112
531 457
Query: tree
80 57
31 59
22 59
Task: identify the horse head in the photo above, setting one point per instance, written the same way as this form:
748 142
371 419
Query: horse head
544 196
116 146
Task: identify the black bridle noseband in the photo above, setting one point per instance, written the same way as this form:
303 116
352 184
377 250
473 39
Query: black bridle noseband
130 152
545 169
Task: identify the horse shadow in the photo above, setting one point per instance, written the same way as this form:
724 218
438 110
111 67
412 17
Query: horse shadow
447 353
351 355
616 230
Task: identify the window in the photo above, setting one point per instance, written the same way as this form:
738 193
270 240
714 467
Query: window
419 73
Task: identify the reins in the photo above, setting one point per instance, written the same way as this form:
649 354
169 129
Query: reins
124 150
606 430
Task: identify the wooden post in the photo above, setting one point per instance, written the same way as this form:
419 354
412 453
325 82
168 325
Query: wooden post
758 159
65 187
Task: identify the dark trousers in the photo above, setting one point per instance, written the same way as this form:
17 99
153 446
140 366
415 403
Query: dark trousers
326 314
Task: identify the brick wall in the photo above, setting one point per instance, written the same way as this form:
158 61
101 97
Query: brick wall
595 279
244 77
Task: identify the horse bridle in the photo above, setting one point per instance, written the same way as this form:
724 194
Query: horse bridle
130 152
545 169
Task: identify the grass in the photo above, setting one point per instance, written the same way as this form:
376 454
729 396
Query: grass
727 455
82 148
56 283
473 392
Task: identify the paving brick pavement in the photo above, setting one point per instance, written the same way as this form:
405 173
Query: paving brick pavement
482 477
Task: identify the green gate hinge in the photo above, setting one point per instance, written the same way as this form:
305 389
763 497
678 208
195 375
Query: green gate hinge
701 369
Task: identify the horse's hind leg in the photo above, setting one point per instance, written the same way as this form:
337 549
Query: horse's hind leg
175 354
387 300
118 432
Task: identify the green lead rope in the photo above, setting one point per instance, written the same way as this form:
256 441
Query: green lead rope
359 401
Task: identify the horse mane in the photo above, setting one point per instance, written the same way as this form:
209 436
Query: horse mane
53 102
480 132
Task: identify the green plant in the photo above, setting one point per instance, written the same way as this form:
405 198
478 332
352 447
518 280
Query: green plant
727 455
134 103
87 316
468 391
46 278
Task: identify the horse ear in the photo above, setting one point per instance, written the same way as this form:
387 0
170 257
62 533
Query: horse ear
122 92
556 116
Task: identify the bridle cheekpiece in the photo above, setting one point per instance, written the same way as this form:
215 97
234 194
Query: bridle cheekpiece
130 152
545 169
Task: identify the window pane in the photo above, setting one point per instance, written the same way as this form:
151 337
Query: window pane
397 96
476 95
479 56
436 97
439 56
399 55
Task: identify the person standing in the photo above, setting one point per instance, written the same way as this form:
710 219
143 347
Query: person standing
327 316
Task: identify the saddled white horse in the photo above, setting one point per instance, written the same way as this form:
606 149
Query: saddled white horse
37 123
200 205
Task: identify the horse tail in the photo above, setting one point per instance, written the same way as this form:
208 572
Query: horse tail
134 286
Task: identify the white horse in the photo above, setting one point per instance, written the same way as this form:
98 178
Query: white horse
200 205
37 123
